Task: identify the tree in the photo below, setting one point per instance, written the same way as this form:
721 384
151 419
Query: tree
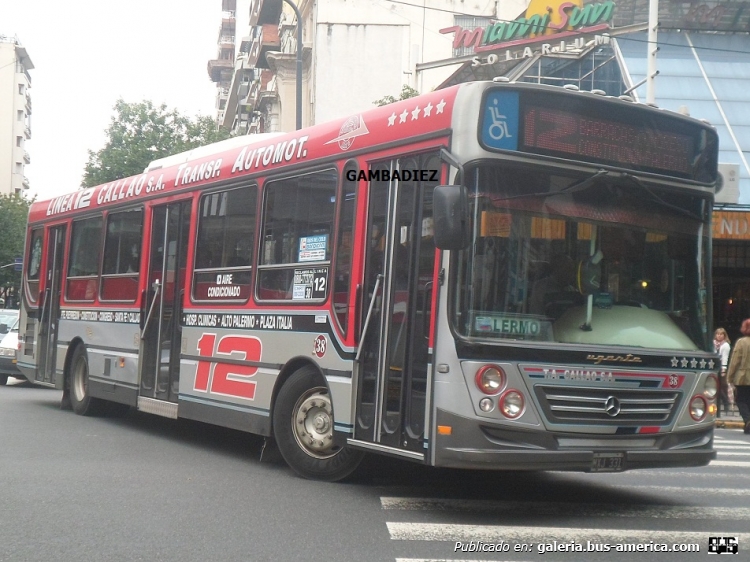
142 132
14 212
406 93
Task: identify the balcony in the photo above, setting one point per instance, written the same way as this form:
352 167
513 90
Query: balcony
268 40
226 42
218 67
27 132
265 11
26 157
25 183
28 103
228 23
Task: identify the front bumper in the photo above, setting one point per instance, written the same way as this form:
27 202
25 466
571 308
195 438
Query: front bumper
473 444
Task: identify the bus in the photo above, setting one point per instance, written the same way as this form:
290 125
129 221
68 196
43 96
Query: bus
490 276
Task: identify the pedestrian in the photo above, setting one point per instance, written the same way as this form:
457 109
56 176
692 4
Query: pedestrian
739 373
722 345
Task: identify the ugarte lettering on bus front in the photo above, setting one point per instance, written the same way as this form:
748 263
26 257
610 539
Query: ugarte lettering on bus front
629 358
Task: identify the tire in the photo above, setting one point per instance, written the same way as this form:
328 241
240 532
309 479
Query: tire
78 379
303 428
3 380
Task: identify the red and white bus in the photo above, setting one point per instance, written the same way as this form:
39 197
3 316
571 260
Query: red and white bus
494 275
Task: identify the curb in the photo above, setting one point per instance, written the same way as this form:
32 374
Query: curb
730 424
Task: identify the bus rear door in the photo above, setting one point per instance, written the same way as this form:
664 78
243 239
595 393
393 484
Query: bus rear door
49 316
162 334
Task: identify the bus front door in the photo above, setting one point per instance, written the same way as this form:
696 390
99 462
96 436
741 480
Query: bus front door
162 334
49 319
394 370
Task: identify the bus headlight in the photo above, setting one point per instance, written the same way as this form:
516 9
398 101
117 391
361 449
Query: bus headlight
490 379
698 408
711 387
511 404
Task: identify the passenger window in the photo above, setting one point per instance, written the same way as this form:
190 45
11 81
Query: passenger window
297 237
122 256
83 263
224 250
34 264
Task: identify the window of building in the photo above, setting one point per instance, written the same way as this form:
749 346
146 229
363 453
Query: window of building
21 89
19 142
34 264
298 217
83 261
122 256
19 115
224 249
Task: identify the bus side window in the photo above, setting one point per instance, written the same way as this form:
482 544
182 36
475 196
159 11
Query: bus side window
298 215
83 266
225 242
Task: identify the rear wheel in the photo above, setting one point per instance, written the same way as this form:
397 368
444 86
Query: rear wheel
303 427
82 402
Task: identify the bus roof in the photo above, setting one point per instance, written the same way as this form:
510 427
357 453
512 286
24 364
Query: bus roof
412 118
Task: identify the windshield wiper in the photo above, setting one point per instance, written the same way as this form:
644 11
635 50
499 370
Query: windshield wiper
575 187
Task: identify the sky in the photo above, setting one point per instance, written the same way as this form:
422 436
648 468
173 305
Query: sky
89 53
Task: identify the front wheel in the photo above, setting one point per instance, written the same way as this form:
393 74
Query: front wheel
303 427
82 402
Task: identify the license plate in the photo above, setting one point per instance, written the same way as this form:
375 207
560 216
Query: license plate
608 462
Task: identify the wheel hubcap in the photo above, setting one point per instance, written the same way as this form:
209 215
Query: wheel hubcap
312 423
80 379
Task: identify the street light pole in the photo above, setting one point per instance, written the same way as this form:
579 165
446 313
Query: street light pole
299 63
651 72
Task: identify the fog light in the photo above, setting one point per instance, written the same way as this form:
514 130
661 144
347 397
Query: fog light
711 387
486 405
490 379
698 408
511 404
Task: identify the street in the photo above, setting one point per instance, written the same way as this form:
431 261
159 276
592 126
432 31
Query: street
141 487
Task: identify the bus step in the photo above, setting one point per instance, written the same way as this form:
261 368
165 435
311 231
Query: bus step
158 407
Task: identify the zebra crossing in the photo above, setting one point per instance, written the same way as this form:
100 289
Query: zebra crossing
653 514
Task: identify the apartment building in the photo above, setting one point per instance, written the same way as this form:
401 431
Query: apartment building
15 115
353 52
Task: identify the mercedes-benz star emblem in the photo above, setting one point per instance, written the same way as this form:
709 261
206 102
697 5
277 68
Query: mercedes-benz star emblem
612 406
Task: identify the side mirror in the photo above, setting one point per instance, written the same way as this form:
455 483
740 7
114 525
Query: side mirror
450 205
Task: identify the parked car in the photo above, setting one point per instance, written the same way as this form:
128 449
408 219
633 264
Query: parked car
8 345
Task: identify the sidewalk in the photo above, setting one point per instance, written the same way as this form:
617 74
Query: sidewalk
731 420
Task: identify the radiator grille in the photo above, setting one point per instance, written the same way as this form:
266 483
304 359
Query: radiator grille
569 404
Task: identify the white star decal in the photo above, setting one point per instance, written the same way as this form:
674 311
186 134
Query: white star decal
684 362
427 109
693 363
711 364
392 119
402 117
415 114
440 106
674 361
703 363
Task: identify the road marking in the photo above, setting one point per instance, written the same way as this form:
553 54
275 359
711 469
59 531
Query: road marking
730 463
523 534
537 508
723 453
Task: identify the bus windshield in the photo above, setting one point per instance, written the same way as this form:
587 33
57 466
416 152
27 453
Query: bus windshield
582 258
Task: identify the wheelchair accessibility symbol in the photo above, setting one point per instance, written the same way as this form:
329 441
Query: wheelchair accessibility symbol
499 127
500 123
